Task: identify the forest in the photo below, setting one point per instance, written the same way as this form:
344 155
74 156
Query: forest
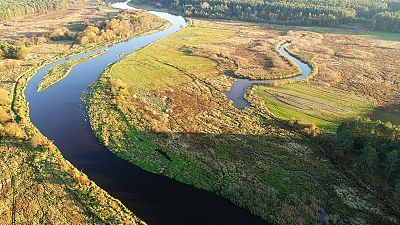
13 8
330 13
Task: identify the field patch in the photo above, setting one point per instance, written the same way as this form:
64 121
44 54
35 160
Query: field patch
166 63
312 104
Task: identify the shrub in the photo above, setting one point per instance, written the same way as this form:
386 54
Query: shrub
61 33
37 140
13 130
4 115
4 98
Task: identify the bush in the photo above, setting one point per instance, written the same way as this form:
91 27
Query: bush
4 98
37 140
62 33
13 130
4 115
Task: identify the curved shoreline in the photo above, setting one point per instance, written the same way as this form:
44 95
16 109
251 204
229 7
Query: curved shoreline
238 90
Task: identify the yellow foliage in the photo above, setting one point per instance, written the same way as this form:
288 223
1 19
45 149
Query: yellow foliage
13 129
4 115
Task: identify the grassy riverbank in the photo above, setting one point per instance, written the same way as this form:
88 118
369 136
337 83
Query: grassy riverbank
61 71
172 118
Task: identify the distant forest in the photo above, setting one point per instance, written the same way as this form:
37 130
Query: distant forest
13 8
380 15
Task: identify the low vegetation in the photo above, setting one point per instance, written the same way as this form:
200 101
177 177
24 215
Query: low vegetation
172 118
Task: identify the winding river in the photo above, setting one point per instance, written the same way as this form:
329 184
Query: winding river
240 86
58 113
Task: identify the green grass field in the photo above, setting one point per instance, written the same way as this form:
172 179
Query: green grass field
156 66
312 104
382 36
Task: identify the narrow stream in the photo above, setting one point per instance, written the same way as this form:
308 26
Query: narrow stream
57 112
240 86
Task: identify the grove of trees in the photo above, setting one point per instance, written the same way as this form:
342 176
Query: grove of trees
293 12
122 26
373 149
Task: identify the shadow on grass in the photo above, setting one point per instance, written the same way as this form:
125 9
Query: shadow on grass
390 113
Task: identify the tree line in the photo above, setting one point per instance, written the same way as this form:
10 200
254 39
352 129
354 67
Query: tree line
294 12
387 21
13 8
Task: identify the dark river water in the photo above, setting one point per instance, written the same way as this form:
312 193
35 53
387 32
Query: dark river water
240 86
58 113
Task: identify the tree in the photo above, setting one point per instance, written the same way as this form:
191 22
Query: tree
397 189
37 140
370 157
11 51
344 140
392 163
13 130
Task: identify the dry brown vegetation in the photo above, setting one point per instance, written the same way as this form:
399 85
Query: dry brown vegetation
251 53
352 64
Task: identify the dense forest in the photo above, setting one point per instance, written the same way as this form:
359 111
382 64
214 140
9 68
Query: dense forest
294 12
372 150
13 8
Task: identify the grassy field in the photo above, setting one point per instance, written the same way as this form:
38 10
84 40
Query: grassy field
155 66
382 36
312 104
168 97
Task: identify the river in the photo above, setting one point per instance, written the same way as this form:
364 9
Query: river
58 113
240 86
